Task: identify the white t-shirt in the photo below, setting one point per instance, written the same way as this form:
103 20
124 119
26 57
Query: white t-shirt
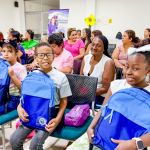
61 84
117 85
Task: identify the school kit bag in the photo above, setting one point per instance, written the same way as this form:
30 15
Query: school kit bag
77 115
37 98
4 84
124 117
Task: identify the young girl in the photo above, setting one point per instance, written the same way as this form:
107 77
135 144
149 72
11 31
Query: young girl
44 56
17 73
137 68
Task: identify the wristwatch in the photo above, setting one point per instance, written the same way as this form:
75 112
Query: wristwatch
139 143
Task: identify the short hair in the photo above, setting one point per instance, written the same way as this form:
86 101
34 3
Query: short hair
70 30
97 32
119 35
40 45
55 38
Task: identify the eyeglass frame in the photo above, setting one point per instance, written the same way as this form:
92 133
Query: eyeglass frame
51 55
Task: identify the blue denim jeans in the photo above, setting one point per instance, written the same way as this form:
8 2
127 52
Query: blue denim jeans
18 137
13 103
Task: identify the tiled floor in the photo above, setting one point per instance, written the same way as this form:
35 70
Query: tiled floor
50 144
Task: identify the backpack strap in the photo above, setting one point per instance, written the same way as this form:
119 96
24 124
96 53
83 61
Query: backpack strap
40 71
146 91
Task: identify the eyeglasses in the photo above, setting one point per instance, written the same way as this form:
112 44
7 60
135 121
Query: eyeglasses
42 55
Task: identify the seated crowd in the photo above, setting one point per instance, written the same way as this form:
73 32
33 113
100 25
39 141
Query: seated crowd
84 54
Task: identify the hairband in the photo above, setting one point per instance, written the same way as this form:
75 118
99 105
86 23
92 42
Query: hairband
145 48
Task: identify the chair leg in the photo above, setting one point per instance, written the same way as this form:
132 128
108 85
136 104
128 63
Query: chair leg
10 124
3 137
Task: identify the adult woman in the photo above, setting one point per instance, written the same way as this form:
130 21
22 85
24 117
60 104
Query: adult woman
94 33
29 42
63 60
86 37
76 47
147 33
120 53
29 45
53 25
99 65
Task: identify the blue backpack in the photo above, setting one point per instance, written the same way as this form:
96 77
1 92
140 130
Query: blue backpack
37 98
125 116
4 84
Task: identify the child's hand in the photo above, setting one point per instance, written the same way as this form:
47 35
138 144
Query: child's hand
125 144
90 133
11 71
22 114
50 127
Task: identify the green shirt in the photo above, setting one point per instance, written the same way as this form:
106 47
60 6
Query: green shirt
29 44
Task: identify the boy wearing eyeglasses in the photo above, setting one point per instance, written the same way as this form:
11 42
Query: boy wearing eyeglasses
44 56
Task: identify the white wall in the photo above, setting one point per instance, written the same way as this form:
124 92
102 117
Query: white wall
77 12
12 17
129 14
125 14
34 19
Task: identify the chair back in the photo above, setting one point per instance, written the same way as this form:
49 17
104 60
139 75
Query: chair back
83 89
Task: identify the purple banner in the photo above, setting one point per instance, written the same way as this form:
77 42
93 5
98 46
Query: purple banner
58 19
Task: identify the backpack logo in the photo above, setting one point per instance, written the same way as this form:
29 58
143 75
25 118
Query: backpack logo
42 121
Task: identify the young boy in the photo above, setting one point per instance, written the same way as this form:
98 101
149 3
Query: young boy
44 56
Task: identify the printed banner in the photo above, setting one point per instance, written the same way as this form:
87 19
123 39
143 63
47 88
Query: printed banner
58 19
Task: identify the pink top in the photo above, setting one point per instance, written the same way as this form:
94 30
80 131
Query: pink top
65 59
74 49
122 55
21 72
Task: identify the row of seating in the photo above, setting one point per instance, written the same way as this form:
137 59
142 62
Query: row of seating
83 91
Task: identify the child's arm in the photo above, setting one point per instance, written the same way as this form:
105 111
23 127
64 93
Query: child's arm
14 78
54 122
131 144
22 113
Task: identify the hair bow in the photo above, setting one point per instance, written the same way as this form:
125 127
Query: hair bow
145 48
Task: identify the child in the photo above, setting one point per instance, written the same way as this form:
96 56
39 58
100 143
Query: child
17 73
44 56
137 68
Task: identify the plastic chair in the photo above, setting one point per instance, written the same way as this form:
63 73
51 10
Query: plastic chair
5 119
83 92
